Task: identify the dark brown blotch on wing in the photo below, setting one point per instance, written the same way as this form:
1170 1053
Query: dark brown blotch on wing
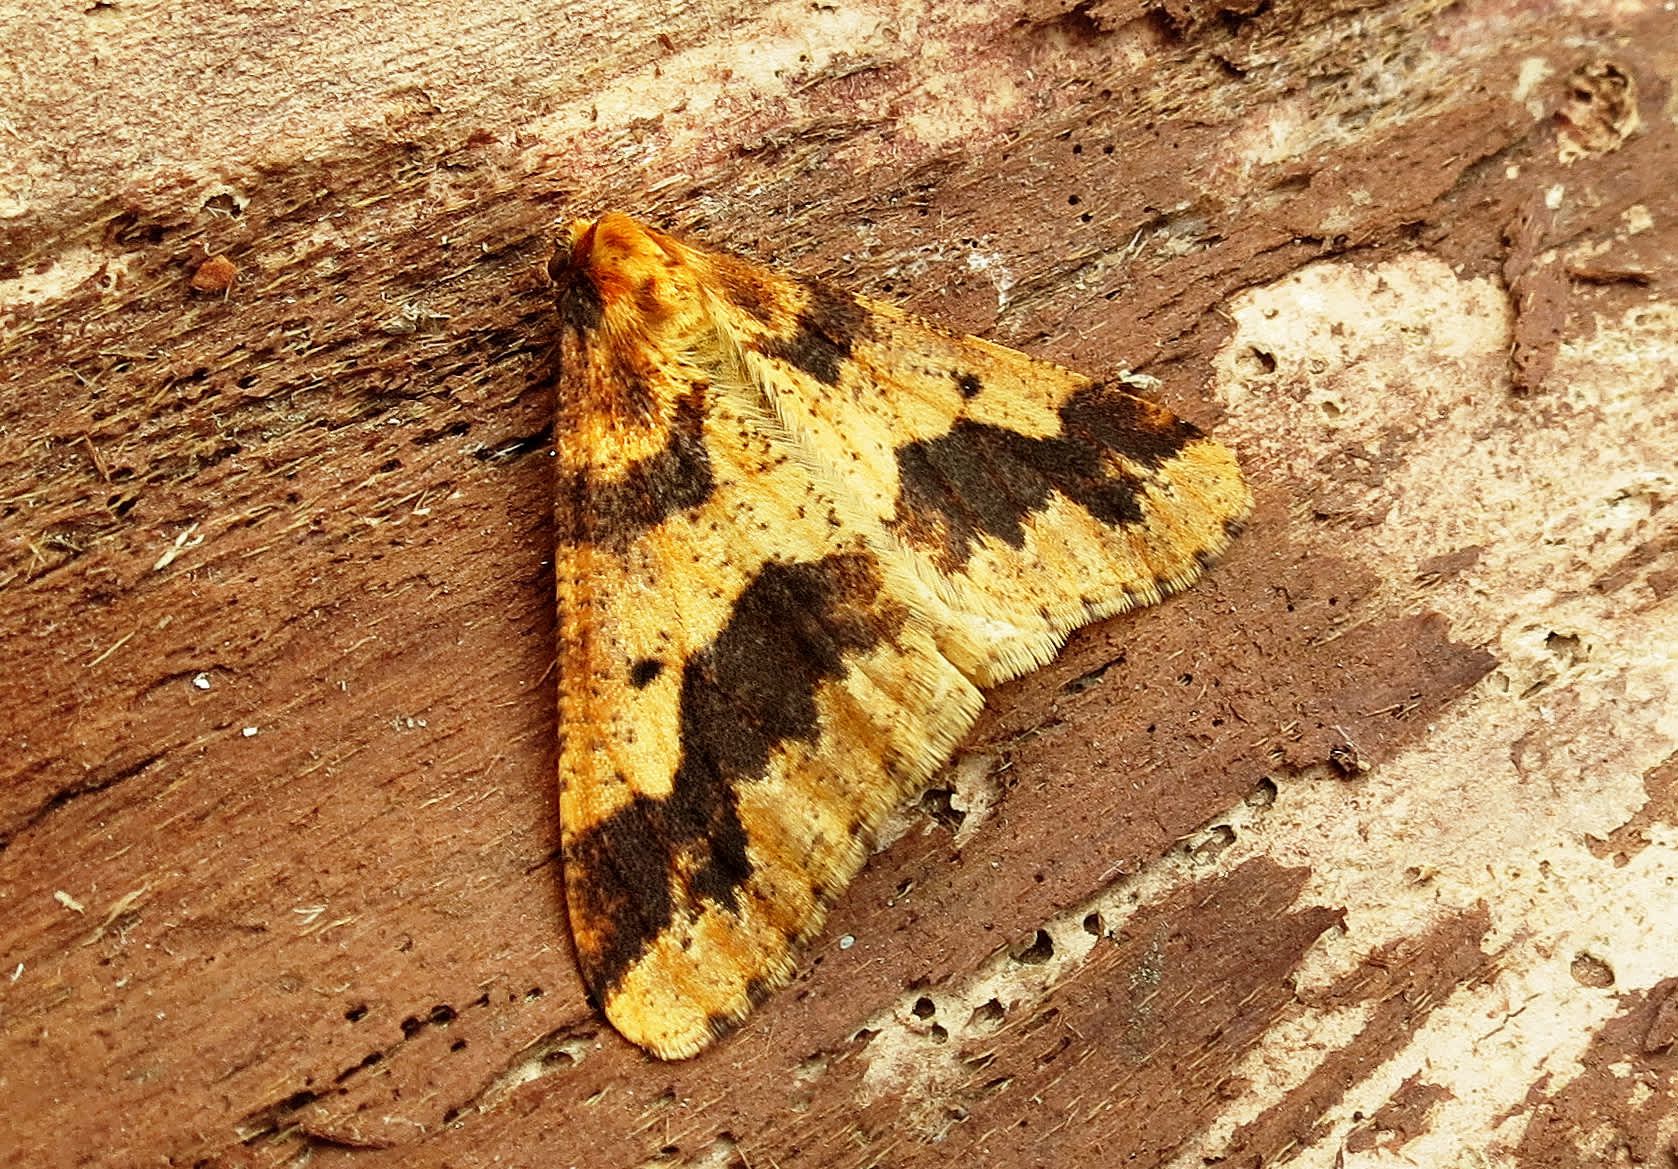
827 328
746 694
744 287
614 512
618 884
978 479
1142 432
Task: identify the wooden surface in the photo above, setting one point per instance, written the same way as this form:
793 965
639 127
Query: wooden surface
1361 852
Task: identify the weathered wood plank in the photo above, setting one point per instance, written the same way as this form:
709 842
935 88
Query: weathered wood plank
1288 867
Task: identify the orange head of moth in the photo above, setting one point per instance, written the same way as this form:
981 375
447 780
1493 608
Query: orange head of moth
634 281
637 331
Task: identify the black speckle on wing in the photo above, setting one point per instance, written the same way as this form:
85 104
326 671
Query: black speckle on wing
644 671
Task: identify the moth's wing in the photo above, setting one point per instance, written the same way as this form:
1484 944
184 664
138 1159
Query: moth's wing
1028 499
746 687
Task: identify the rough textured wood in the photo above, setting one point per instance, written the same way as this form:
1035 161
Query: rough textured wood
1361 849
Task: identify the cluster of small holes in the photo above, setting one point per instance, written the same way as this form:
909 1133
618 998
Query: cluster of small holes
1075 200
927 1011
1025 973
440 1016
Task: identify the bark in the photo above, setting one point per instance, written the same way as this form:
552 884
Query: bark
1359 848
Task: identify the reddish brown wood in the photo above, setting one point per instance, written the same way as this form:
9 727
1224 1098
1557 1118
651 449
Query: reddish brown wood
279 874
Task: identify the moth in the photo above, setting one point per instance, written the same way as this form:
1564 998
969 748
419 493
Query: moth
798 533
